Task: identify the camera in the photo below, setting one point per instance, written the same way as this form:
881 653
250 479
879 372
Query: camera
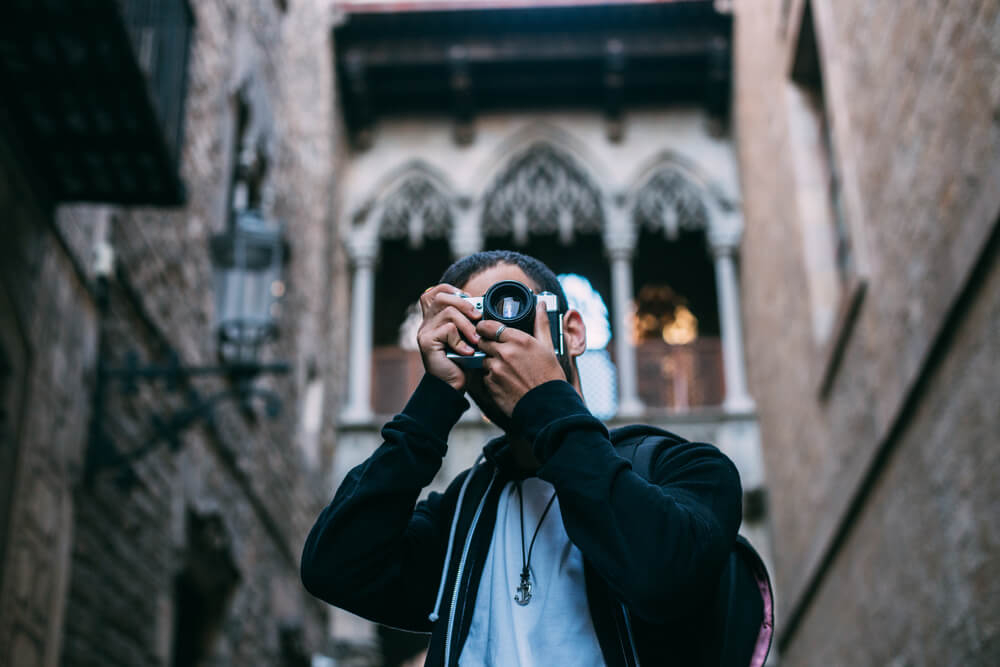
511 303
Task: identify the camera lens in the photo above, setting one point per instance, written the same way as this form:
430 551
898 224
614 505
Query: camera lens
512 303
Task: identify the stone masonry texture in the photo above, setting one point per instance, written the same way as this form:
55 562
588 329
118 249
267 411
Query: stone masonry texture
89 572
45 426
912 94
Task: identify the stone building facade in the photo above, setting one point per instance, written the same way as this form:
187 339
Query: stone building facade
869 143
823 173
637 198
671 145
195 559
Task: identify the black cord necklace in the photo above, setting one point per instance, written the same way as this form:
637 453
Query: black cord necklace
522 594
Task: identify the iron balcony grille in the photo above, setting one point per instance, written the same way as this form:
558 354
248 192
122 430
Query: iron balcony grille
94 96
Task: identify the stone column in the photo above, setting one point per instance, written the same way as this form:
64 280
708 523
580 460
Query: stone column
619 242
724 240
362 249
466 237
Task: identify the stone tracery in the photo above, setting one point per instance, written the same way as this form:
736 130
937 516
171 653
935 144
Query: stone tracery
417 209
542 191
669 202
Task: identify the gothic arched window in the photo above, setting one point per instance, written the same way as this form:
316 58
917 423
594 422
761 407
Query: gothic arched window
669 202
415 221
541 192
416 210
675 324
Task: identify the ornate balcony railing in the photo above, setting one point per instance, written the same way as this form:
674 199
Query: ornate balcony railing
680 377
94 96
675 378
395 374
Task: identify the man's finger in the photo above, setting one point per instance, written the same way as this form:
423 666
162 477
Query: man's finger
455 316
457 343
441 296
488 331
448 334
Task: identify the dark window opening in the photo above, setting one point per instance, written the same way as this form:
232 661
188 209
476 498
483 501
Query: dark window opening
807 74
676 322
202 589
685 269
402 276
190 622
291 646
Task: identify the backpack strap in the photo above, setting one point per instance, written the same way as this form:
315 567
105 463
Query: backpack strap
755 564
638 443
744 623
640 453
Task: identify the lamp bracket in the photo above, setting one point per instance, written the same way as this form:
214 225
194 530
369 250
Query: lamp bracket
104 455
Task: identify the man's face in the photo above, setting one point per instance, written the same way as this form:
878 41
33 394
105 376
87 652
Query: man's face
477 286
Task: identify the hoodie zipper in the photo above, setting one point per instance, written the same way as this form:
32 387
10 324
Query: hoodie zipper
461 567
628 632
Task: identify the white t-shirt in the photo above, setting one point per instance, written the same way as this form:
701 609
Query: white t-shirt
554 628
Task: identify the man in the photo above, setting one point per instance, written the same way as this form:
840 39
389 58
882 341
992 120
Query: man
551 550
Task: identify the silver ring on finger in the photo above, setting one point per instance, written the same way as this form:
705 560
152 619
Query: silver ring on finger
496 336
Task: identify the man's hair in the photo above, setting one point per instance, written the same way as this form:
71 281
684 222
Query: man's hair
464 269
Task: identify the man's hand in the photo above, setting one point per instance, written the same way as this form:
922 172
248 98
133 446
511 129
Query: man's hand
518 362
448 324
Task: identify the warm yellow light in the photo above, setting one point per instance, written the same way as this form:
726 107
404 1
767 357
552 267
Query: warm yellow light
683 329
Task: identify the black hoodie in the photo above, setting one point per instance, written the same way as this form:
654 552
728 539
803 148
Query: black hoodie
652 550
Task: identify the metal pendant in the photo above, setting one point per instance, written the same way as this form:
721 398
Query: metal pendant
522 596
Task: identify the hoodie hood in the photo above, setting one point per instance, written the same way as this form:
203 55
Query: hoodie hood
623 433
499 452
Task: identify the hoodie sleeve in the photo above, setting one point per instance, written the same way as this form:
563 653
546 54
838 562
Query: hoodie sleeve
374 550
658 544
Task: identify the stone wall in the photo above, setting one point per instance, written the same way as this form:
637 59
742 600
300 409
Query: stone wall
47 374
913 582
912 95
96 566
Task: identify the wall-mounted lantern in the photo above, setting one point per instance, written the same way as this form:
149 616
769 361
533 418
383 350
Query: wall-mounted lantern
247 262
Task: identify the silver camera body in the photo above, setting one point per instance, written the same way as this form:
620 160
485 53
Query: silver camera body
511 303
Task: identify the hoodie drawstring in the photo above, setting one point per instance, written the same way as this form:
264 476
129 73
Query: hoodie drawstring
433 616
